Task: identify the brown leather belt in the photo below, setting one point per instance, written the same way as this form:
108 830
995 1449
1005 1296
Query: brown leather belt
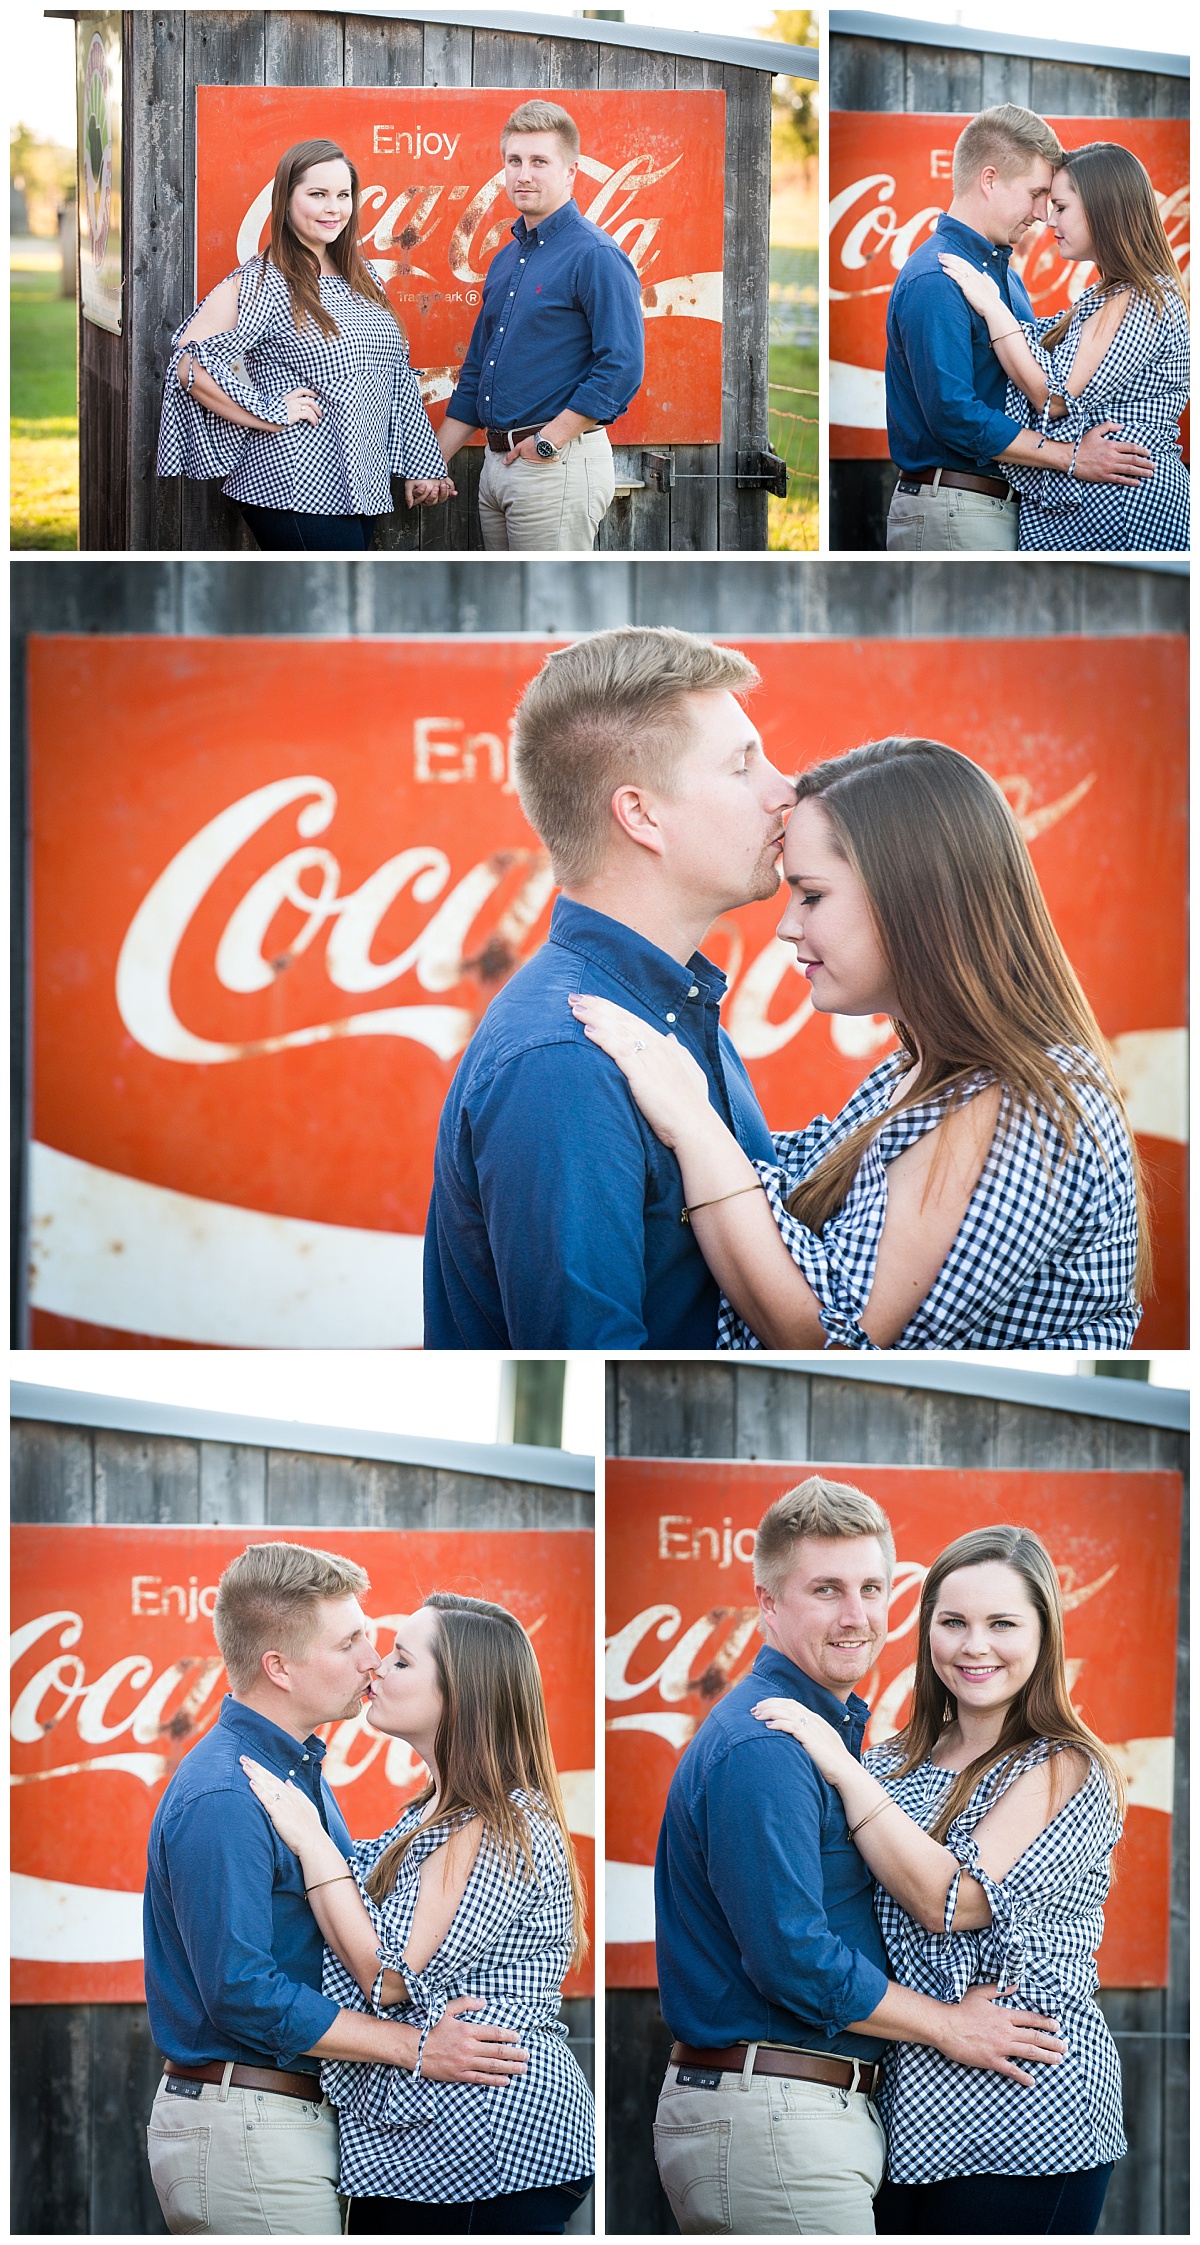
503 440
993 487
307 2086
801 2065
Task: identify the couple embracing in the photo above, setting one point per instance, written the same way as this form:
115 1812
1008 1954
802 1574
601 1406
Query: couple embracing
1054 434
886 1961
370 2024
604 1175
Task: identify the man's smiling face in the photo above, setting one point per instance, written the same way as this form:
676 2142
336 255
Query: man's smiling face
829 1615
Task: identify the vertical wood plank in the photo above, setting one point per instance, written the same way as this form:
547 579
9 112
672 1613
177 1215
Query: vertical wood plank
642 522
865 74
233 1485
943 78
447 54
306 1490
518 59
744 421
771 1413
379 52
125 2069
152 1479
638 2048
855 1423
50 2087
156 287
303 47
218 50
695 525
50 1473
1005 78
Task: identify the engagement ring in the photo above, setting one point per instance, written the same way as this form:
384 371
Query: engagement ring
639 1044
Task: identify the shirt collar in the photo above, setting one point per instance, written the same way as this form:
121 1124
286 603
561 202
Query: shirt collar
547 228
650 974
976 245
775 1666
266 1737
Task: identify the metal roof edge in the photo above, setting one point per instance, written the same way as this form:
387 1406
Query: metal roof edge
1131 1400
500 1461
859 23
746 54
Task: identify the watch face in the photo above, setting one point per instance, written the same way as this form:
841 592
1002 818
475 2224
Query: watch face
546 450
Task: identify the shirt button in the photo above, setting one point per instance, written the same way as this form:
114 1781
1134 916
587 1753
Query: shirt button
670 1017
694 992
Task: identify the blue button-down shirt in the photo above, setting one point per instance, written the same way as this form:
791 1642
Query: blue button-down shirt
233 1952
561 327
765 1919
945 386
556 1214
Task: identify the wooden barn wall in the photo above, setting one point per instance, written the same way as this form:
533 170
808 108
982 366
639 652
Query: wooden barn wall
342 599
84 2075
692 1410
879 74
170 52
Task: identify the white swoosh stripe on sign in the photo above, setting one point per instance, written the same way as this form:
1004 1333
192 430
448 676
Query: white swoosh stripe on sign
1148 1768
856 399
116 1251
1152 1070
629 1902
579 1800
53 1924
689 296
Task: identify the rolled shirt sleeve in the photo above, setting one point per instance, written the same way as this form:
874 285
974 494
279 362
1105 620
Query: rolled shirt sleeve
771 1886
222 1876
611 297
937 346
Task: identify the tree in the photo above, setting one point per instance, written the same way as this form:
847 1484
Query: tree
793 119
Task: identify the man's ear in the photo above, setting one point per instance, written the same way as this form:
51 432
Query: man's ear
766 1603
634 813
275 1669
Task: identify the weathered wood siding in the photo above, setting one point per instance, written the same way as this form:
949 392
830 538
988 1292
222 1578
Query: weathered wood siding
885 74
84 2075
689 1410
169 52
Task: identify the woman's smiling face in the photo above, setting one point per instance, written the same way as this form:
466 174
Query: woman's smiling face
321 205
1068 220
985 1635
405 1696
829 920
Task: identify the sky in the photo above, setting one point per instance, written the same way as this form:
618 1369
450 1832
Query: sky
41 68
453 1398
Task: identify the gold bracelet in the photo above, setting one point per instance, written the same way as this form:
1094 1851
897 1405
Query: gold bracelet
330 1882
876 1811
1005 332
688 1213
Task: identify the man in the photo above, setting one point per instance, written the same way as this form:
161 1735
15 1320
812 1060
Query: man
557 351
771 1970
556 1218
948 431
241 2140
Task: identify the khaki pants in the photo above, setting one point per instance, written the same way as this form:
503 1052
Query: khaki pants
946 521
766 2156
547 505
245 2163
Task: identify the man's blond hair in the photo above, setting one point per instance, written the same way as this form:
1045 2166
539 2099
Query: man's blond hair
268 1600
1007 137
605 713
816 1507
543 117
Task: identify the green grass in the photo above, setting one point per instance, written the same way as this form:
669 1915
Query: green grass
44 429
794 433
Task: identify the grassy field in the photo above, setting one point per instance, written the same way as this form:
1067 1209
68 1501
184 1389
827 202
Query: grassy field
44 430
793 426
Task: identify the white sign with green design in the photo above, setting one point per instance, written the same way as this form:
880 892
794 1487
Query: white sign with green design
98 83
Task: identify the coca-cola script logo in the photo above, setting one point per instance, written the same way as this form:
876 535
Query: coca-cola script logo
890 178
433 212
116 1676
682 1630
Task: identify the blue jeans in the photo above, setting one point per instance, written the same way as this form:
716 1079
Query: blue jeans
1067 2205
281 530
544 2212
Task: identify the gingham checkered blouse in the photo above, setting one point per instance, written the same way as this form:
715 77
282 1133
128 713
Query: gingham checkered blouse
1142 382
404 2137
1047 1922
1044 1257
373 425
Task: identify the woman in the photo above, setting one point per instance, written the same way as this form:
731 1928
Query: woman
293 382
473 1893
980 1189
989 1826
1119 357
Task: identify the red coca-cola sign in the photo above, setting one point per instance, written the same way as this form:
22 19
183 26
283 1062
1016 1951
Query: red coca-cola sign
433 213
682 1628
116 1674
276 883
889 178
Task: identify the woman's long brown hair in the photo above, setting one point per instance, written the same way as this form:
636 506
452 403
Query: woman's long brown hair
1129 239
492 1740
296 262
1041 1709
983 982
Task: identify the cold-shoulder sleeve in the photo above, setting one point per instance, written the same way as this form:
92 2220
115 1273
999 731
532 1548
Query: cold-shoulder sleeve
413 448
192 441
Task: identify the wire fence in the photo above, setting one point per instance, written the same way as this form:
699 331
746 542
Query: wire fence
793 425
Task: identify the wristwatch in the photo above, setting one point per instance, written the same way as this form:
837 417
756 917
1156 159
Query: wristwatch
545 450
